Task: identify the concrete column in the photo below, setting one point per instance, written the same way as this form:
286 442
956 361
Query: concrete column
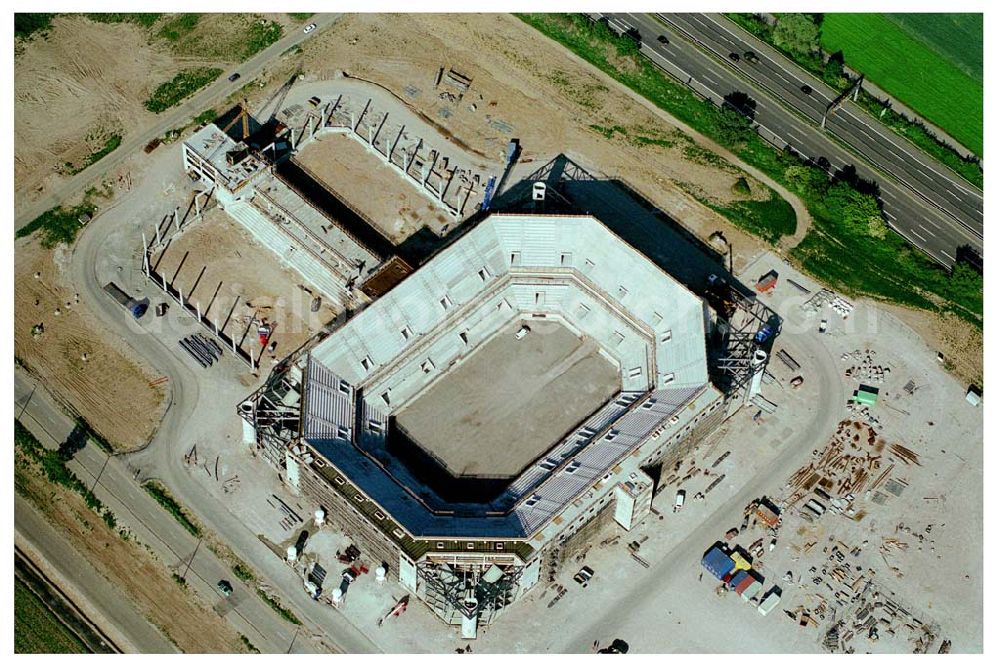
197 307
379 129
355 125
177 218
233 340
216 325
430 169
164 278
292 138
444 190
197 205
158 239
180 295
394 143
416 149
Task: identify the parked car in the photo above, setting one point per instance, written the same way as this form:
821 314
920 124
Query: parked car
806 89
663 39
679 499
225 587
309 28
735 57
234 76
314 101
521 332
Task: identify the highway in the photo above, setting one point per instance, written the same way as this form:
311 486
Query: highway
928 226
172 119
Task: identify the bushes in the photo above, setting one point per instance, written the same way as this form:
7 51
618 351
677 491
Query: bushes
183 84
58 225
164 498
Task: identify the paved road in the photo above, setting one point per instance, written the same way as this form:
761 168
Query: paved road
174 118
116 486
923 224
115 614
851 124
155 340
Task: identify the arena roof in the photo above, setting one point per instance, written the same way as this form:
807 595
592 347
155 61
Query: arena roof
567 267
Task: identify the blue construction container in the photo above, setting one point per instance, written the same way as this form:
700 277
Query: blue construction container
735 581
718 562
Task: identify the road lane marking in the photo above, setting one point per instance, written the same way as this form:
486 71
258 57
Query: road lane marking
922 239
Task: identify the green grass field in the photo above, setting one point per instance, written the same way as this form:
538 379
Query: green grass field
37 630
927 62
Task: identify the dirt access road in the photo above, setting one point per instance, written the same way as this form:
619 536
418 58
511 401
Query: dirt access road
176 117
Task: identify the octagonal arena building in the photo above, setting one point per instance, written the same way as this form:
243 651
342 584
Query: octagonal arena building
476 424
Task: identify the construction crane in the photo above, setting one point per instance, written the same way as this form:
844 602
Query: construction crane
243 115
280 96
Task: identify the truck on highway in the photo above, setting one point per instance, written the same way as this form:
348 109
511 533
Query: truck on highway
136 308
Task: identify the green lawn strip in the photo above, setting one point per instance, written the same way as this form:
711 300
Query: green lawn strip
832 73
27 24
301 16
770 219
278 608
178 27
37 630
53 464
909 71
58 225
158 492
144 19
184 84
846 247
111 144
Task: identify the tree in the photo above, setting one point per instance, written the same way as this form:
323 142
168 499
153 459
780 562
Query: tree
807 180
797 33
741 187
833 71
859 212
733 127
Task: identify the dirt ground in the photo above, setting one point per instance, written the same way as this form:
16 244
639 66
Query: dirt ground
136 572
76 84
239 269
109 388
526 87
398 210
959 341
86 81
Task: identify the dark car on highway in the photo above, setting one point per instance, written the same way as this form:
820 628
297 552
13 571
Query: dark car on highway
751 57
735 57
806 89
234 76
663 39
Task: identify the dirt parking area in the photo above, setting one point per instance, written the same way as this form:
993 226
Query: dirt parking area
239 283
376 189
101 376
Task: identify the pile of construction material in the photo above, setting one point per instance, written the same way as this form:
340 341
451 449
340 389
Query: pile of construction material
825 297
205 351
855 463
864 366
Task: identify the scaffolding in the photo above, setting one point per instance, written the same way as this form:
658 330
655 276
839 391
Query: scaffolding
446 588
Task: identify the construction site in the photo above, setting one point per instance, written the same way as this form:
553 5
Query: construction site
511 386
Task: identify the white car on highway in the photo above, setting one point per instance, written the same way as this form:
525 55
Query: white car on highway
309 28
